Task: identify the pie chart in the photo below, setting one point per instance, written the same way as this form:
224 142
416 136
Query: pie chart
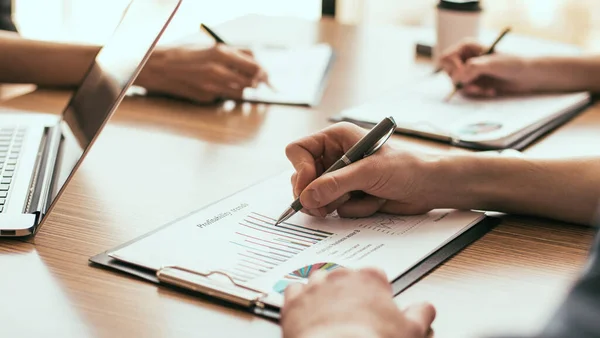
301 275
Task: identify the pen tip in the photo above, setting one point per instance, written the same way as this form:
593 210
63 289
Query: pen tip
447 99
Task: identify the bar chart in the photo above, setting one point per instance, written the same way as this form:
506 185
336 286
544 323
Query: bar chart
261 246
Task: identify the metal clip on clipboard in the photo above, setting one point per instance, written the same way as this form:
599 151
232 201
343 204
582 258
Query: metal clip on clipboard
230 291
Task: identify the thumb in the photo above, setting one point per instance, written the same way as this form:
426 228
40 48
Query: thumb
331 186
422 316
247 51
476 67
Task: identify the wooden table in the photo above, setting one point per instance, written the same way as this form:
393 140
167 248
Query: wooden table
159 159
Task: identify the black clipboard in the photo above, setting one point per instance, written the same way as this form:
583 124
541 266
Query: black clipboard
249 300
519 144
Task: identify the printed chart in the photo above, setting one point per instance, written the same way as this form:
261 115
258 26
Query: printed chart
394 225
301 275
260 245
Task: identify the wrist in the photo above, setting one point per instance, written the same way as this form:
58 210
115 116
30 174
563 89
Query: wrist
539 71
535 74
341 331
562 74
475 181
152 70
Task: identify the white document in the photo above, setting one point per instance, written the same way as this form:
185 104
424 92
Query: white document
422 106
295 73
237 236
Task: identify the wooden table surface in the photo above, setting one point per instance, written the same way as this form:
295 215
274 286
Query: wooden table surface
159 159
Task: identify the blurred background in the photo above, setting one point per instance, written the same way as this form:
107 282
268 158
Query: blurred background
571 21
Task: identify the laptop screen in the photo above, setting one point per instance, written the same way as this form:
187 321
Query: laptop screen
112 72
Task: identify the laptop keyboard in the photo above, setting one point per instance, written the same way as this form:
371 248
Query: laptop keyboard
11 141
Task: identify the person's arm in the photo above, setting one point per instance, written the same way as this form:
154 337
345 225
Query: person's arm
401 182
562 189
498 73
197 74
575 73
43 63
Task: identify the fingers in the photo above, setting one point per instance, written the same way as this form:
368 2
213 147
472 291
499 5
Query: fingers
363 207
293 181
226 77
377 275
262 75
337 204
317 277
477 90
331 186
422 316
475 68
500 68
220 91
464 50
237 60
308 154
453 59
292 291
247 51
451 64
302 155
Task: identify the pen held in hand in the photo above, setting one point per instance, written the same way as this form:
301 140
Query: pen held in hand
366 146
262 77
212 34
458 86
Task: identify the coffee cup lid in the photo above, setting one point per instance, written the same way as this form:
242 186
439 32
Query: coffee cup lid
460 5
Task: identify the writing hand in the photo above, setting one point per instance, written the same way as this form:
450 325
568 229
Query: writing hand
202 75
487 75
390 180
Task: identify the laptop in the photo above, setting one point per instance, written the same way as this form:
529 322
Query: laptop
40 153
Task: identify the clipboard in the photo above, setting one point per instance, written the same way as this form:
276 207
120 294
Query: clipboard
520 144
240 297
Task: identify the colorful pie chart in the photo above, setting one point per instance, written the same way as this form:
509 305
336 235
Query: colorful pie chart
301 275
481 128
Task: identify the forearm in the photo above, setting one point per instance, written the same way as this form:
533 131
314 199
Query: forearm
346 330
566 73
567 190
43 63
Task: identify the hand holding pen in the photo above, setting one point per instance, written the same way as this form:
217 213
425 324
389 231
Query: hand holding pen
341 148
261 75
476 70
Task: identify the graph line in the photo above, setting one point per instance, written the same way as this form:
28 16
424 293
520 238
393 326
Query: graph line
258 259
254 263
261 255
273 233
295 225
263 246
322 236
292 242
260 250
264 240
283 231
274 248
